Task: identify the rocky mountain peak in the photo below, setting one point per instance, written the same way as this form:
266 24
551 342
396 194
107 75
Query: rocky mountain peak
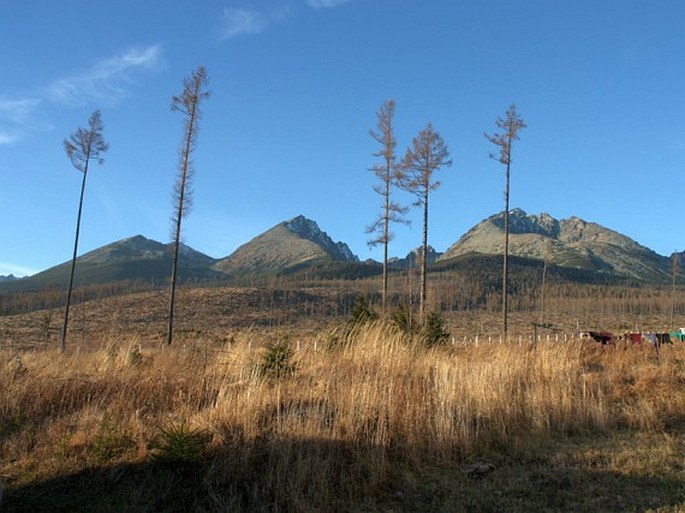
520 222
303 226
431 254
413 257
573 228
309 230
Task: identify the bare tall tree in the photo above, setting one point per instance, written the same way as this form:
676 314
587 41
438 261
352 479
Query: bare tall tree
82 146
674 269
428 154
188 103
388 173
510 126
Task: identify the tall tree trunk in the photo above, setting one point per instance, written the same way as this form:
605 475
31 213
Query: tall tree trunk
386 236
73 259
675 272
80 147
510 125
542 293
505 270
428 155
177 234
424 255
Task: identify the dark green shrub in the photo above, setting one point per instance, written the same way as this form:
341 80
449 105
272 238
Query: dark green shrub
277 360
109 444
135 357
178 443
404 320
361 310
433 331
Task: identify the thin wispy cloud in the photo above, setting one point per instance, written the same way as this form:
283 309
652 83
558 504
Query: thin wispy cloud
247 21
19 116
323 4
240 22
9 137
106 82
18 110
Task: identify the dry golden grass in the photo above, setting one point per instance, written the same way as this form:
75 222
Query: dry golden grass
370 421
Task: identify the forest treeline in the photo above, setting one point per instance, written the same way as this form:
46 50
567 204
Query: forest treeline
469 284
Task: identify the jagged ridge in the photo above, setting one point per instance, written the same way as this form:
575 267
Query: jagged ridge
570 242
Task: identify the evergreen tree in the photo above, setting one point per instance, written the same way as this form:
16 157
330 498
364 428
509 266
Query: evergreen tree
434 331
361 310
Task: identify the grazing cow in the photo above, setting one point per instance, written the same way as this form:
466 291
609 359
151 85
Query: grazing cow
603 337
663 338
657 340
635 338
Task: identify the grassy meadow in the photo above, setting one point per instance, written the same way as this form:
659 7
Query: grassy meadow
357 419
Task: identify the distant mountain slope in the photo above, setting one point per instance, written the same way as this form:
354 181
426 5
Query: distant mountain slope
287 246
412 258
133 258
570 242
141 248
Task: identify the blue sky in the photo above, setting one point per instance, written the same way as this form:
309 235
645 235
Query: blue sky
295 88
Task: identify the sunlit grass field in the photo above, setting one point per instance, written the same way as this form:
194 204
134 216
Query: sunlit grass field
366 419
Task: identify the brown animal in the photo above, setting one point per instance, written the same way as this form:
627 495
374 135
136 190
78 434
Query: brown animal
605 338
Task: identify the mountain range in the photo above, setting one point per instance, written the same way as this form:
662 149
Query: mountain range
570 242
299 245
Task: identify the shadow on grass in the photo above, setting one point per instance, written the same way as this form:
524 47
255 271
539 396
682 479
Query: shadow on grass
291 475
